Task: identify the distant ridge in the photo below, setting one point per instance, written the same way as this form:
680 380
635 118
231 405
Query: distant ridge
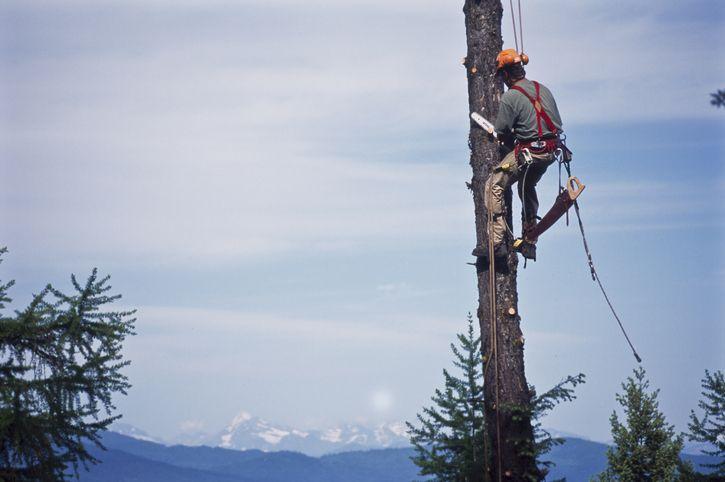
246 432
132 460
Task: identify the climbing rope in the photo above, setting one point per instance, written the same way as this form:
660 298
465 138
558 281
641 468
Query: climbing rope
493 333
521 27
513 23
593 270
528 160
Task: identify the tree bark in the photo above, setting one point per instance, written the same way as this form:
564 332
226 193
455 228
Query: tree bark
513 460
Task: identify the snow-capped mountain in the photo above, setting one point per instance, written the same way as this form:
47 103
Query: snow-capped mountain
249 432
134 432
192 438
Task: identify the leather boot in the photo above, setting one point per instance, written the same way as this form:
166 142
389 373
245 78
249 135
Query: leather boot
481 251
527 228
526 248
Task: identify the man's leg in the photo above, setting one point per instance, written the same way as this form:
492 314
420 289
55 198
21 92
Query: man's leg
527 192
503 176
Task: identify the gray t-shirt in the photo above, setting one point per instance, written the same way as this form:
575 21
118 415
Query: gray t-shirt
517 112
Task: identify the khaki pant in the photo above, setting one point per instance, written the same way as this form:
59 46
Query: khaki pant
504 175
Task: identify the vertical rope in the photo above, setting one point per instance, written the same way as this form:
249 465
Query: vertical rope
513 22
521 28
494 325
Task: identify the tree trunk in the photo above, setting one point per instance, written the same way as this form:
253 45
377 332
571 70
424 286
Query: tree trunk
512 459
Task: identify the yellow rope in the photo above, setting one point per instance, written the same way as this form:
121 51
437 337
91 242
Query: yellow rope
494 324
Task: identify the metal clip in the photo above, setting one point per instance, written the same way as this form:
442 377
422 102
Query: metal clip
528 158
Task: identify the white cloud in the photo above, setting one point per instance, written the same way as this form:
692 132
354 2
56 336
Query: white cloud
223 143
178 323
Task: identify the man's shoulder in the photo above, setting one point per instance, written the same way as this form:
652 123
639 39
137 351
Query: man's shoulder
530 85
526 85
543 89
510 96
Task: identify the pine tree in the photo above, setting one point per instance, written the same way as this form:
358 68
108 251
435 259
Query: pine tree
450 440
60 362
543 404
718 98
711 427
645 445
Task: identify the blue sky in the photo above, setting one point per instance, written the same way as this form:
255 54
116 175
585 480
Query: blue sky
280 190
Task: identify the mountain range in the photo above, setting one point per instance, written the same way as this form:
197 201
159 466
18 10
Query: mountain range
132 460
247 432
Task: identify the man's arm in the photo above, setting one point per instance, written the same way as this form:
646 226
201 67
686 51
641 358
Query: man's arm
505 123
505 120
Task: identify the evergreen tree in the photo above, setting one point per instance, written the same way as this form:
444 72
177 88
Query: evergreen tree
718 98
711 427
543 404
645 445
60 362
450 440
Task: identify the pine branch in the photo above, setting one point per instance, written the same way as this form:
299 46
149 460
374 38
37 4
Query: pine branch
61 365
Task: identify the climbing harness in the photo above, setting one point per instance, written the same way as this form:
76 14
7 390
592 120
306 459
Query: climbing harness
523 151
541 144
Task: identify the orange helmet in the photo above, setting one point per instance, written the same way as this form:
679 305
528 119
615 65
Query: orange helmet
510 57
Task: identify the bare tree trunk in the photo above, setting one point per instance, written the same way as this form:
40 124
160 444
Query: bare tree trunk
510 435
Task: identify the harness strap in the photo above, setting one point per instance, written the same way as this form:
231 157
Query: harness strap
539 109
537 147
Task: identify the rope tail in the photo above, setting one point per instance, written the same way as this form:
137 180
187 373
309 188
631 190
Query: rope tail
595 275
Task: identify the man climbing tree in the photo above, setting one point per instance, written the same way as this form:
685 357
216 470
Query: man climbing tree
529 123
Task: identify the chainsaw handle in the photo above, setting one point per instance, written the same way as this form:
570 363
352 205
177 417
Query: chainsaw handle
574 187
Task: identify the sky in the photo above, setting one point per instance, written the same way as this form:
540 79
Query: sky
279 188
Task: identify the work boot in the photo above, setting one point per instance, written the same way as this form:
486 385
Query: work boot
481 251
526 248
500 255
527 228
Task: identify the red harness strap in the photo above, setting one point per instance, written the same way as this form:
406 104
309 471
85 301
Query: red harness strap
540 112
